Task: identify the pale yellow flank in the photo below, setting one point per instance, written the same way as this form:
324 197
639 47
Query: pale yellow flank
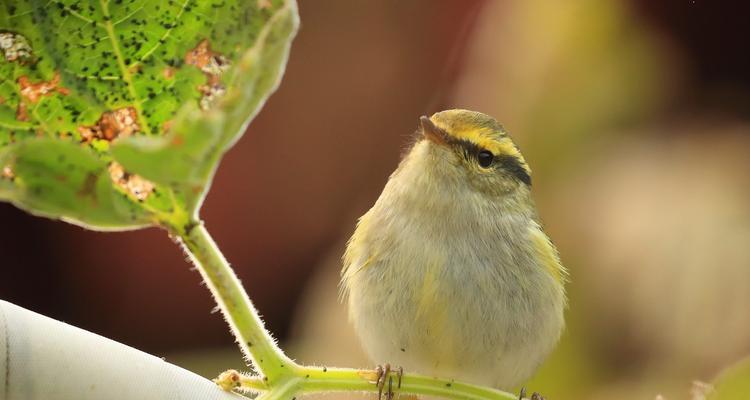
547 253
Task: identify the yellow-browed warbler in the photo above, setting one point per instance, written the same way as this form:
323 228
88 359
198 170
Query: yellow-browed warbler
450 274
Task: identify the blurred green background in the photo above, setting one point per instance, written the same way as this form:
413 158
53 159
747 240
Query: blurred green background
634 115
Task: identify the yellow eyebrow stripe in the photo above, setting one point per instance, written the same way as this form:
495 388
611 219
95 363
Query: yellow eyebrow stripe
498 142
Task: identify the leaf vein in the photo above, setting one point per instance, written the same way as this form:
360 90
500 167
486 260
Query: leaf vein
125 18
165 36
73 12
126 77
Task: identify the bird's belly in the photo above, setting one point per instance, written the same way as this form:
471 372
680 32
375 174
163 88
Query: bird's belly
457 316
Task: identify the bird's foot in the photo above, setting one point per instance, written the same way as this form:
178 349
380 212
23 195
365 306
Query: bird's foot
534 396
384 375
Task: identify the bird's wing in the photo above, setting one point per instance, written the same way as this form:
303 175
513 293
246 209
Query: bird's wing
547 253
356 256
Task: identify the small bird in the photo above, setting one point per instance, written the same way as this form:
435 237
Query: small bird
450 274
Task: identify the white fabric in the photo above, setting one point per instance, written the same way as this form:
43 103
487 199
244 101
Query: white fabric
41 358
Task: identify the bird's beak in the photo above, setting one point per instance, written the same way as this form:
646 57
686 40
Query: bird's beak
432 132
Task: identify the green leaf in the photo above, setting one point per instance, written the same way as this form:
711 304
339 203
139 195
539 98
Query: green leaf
733 383
81 191
114 114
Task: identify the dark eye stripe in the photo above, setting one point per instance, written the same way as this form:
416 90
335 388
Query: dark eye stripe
506 162
514 167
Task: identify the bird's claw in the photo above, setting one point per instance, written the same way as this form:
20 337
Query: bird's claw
534 396
384 374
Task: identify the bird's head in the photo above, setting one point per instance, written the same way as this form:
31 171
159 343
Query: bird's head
468 146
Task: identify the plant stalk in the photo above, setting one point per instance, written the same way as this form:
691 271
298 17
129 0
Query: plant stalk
323 380
246 325
280 377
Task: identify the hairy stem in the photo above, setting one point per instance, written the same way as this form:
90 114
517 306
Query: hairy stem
254 340
345 379
282 378
318 379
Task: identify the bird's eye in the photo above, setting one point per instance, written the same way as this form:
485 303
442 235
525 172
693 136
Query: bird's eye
485 158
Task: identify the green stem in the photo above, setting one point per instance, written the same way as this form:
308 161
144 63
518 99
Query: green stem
254 340
346 379
281 378
284 390
321 380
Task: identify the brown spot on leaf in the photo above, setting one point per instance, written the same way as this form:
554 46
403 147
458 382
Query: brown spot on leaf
111 125
210 62
22 113
88 189
177 141
8 173
168 73
14 47
33 92
211 93
135 69
264 4
135 185
213 65
167 126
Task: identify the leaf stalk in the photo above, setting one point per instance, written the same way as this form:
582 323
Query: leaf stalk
280 377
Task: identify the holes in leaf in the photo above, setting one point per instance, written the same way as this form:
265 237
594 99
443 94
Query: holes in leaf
111 125
211 93
7 173
133 184
33 92
213 65
15 47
